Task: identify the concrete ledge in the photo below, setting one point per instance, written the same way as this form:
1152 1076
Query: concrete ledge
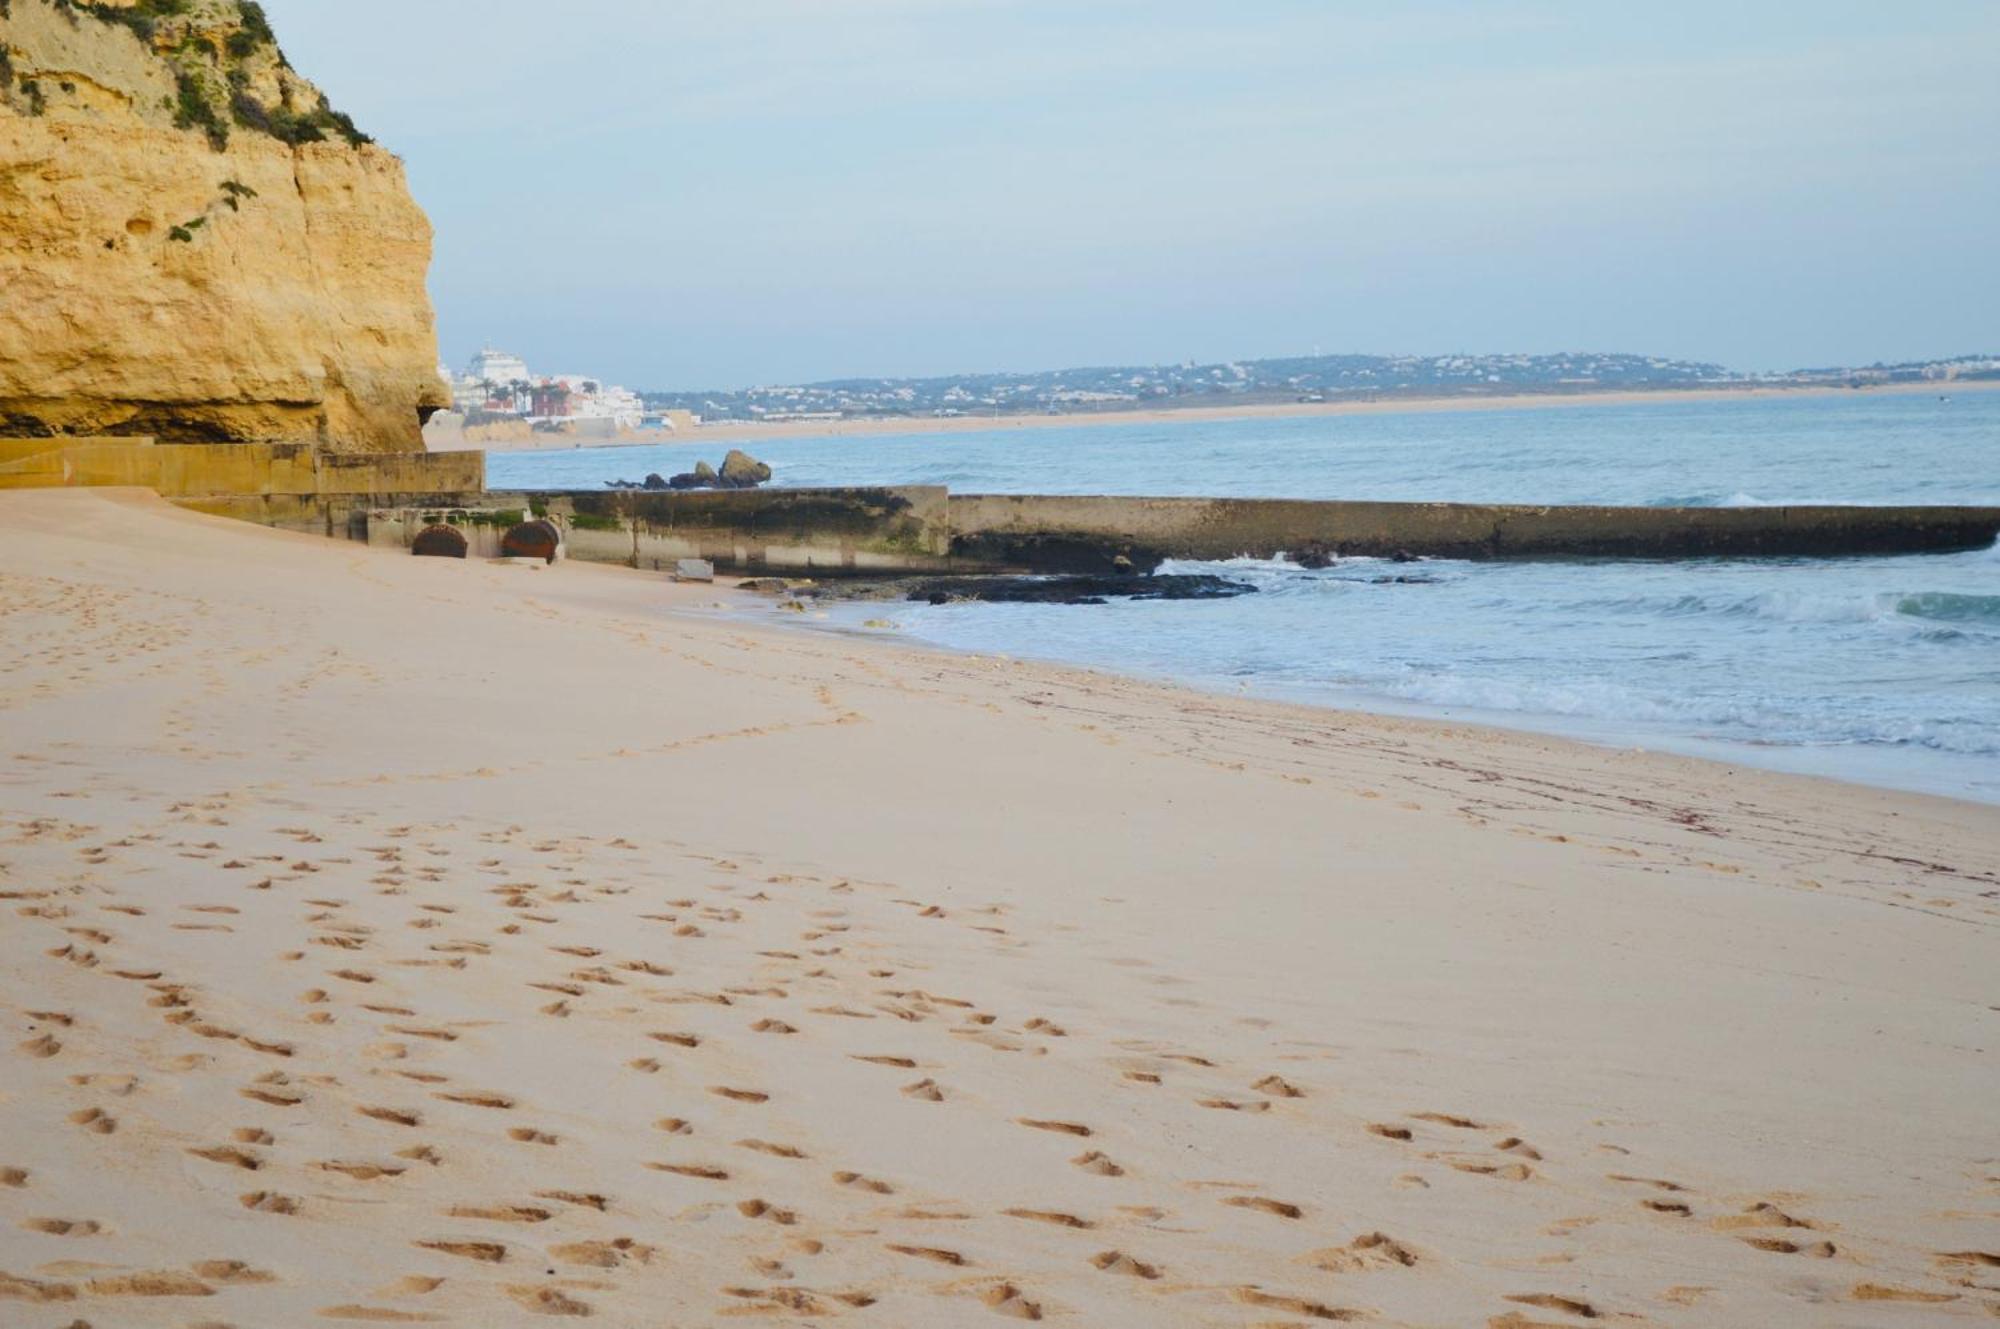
341 516
921 529
809 531
1084 533
184 470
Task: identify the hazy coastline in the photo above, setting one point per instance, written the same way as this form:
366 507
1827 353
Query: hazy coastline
730 432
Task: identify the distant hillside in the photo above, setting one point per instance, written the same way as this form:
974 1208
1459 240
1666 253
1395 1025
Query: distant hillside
1298 378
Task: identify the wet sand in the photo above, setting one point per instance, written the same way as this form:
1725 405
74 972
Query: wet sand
405 940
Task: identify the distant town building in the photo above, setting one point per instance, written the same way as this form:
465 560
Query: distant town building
494 366
498 383
468 394
591 399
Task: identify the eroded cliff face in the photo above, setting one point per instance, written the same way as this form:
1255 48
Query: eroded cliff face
193 244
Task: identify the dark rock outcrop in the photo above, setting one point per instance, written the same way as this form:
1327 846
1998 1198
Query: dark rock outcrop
740 470
703 476
1080 589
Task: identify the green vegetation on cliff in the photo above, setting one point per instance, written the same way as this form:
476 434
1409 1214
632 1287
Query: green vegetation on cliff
228 69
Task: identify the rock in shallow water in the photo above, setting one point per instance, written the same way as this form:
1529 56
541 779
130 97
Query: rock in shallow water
1068 590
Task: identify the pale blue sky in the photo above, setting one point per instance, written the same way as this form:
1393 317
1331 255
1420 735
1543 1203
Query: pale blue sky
700 193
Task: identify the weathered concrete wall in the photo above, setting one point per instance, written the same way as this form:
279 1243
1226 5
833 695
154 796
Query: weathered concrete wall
810 532
1047 533
481 518
241 469
805 531
921 529
340 516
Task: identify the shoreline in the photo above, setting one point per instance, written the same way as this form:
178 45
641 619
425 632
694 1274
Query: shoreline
547 943
746 431
1599 735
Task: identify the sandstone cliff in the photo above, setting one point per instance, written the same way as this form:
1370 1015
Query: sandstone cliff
193 244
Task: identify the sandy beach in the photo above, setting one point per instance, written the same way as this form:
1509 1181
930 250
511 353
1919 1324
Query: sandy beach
403 940
733 431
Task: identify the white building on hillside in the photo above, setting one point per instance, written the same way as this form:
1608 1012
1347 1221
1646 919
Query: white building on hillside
594 399
498 367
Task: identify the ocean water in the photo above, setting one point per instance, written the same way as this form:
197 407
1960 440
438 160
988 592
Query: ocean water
1878 670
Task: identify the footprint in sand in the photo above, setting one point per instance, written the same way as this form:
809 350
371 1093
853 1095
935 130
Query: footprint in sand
396 1116
1059 1127
677 1039
1314 1310
95 1120
1969 1259
486 1252
581 1199
486 1100
1118 1262
1548 1301
774 1150
766 1211
268 1202
229 1157
1824 1250
501 1213
1006 1299
360 1171
273 1092
365 1314
1371 1250
1885 1292
1097 1164
549 1301
64 1227
603 1254
152 1283
232 1273
1051 1216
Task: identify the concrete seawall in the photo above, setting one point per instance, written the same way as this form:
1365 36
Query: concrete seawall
1047 532
922 529
809 532
388 498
